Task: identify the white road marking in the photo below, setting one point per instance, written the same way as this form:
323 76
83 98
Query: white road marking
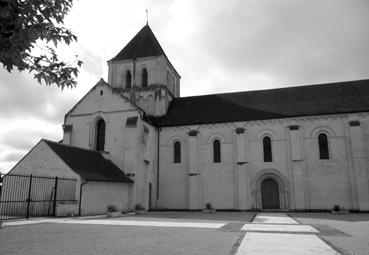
281 243
279 228
21 222
148 223
122 223
284 244
273 218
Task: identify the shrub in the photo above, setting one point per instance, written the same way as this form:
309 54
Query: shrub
336 208
112 208
209 206
139 207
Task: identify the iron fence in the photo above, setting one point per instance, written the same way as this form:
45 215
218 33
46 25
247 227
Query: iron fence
24 196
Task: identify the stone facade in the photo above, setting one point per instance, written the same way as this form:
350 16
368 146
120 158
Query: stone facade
305 182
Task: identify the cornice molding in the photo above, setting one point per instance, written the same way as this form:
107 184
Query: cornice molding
293 121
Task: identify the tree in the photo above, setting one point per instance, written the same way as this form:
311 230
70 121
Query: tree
30 26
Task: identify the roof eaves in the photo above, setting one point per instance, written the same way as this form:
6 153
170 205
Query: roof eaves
160 125
128 180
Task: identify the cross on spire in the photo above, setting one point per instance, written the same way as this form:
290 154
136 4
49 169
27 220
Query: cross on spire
147 17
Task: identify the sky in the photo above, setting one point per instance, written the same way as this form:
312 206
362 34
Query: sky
216 46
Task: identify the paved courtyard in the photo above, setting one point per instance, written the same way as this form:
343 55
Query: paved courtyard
190 233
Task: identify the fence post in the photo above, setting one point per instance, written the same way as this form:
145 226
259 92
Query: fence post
29 196
55 193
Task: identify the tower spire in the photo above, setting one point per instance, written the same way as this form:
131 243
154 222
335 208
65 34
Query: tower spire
147 17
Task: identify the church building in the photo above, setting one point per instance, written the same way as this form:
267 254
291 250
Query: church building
134 140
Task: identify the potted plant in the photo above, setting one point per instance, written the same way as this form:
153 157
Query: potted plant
112 211
139 209
126 212
209 208
335 209
339 210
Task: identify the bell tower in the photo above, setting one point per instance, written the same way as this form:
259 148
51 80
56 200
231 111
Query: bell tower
142 72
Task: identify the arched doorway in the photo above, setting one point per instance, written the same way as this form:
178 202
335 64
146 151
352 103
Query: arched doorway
270 194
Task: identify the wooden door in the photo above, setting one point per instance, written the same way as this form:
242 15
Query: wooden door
270 194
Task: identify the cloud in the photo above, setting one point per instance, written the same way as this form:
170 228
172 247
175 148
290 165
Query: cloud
16 143
20 95
13 157
294 41
93 63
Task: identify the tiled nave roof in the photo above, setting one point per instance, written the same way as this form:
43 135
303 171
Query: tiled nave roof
310 100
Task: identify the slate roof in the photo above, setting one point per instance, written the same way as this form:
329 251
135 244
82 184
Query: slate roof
323 99
90 165
144 44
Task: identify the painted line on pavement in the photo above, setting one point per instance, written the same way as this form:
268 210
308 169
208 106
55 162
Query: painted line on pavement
273 218
121 223
279 228
283 244
24 222
147 223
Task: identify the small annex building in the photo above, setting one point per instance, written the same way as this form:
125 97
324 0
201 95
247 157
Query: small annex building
99 181
134 140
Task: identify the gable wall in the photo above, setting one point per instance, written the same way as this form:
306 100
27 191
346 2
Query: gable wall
115 111
42 160
109 101
123 144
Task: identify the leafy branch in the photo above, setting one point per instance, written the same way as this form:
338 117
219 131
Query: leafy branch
24 24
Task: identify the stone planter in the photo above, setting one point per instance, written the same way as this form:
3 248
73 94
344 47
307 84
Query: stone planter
140 212
341 212
211 210
113 214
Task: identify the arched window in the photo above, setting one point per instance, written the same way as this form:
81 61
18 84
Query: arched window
128 79
267 149
323 146
144 78
177 152
100 135
216 151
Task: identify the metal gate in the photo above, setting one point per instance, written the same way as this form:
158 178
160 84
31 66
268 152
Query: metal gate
24 196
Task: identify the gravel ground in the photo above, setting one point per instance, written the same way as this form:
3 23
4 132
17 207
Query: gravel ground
349 233
65 239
